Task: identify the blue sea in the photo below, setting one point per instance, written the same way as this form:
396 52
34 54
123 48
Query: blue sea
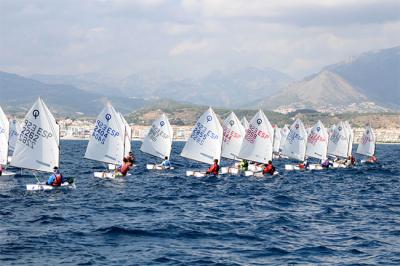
334 217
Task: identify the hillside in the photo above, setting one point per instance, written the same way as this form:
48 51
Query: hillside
218 88
18 94
376 74
366 83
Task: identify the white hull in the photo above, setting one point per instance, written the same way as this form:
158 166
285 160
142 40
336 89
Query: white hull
43 186
254 168
195 173
7 173
292 167
111 175
295 167
258 174
315 167
229 170
157 167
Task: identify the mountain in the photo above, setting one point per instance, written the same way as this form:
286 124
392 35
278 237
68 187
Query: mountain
218 88
369 82
376 74
91 82
18 94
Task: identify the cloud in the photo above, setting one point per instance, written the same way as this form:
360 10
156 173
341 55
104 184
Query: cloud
189 47
296 37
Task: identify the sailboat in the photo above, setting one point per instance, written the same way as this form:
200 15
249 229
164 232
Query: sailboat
158 141
127 140
4 137
257 143
15 129
108 139
295 144
38 145
244 122
204 144
276 142
351 138
317 145
338 144
366 146
232 141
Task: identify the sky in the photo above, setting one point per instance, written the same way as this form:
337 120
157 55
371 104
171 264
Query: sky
190 38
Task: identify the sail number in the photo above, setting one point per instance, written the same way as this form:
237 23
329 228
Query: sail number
155 132
293 136
314 138
230 134
31 133
200 133
101 132
253 132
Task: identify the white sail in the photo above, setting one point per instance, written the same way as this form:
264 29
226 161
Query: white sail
296 141
367 142
257 143
204 144
127 135
351 138
338 141
244 122
284 132
233 137
38 144
317 142
277 139
106 144
15 129
158 140
4 133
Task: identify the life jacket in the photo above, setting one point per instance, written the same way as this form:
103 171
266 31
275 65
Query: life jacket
269 169
302 166
58 181
214 169
124 169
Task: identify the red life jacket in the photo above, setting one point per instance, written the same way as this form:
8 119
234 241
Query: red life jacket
269 169
57 182
214 169
124 169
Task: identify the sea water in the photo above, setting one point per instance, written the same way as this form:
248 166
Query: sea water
341 216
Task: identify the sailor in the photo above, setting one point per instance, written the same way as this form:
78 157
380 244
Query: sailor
56 178
214 169
166 164
125 167
304 164
269 168
1 169
326 163
131 157
244 165
372 159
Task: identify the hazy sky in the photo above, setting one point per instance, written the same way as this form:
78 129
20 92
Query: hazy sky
190 37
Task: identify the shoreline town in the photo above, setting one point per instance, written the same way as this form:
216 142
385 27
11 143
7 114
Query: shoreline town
81 130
